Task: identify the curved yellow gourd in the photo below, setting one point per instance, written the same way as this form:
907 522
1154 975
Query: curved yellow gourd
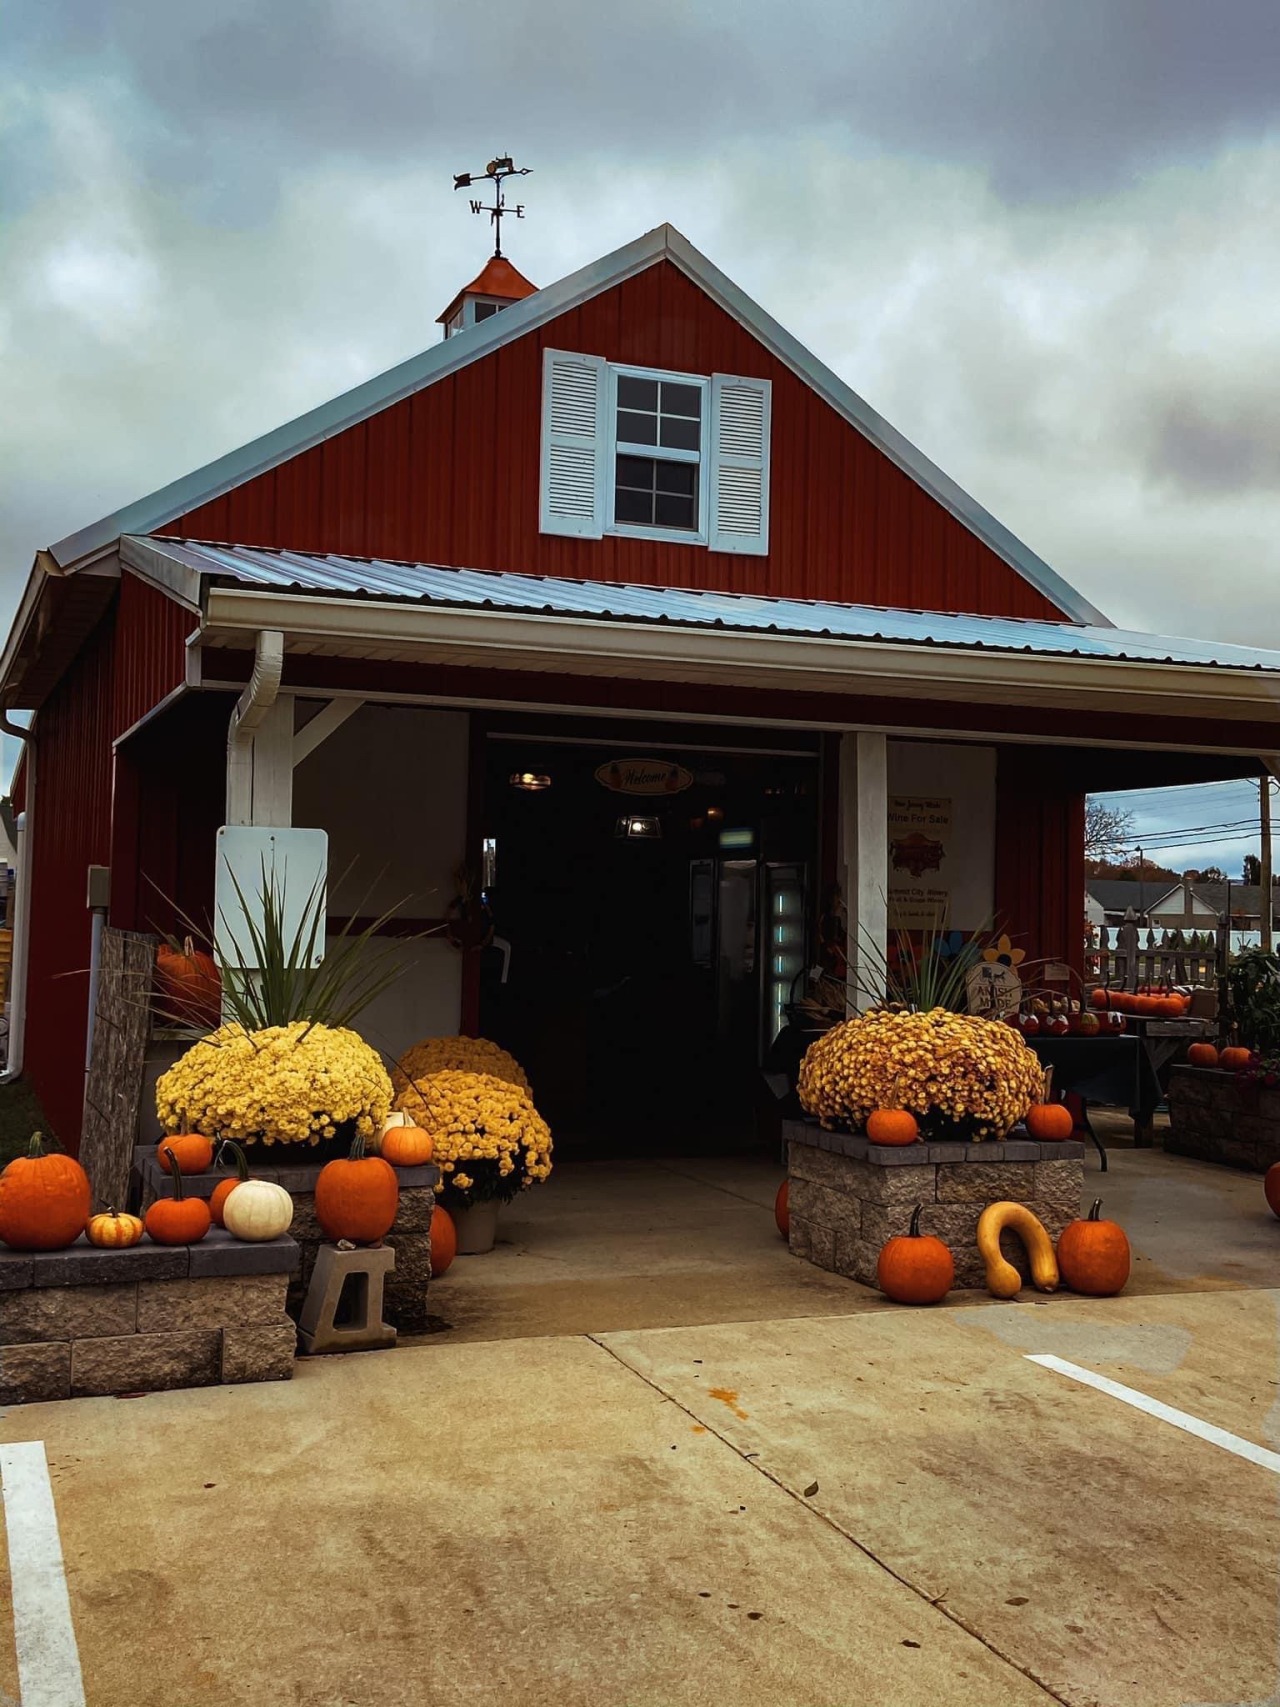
1003 1279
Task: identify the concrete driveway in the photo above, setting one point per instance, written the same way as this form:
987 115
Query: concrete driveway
623 1520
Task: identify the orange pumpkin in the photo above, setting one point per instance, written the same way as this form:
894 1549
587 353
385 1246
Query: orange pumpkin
1050 1122
444 1241
1093 1255
222 1191
192 1151
892 1126
177 1220
782 1209
357 1197
1271 1186
188 987
1202 1055
406 1146
1235 1059
1169 1007
44 1199
114 1232
914 1267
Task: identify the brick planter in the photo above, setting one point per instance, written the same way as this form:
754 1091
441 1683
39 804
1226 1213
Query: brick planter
406 1289
85 1322
1216 1119
847 1196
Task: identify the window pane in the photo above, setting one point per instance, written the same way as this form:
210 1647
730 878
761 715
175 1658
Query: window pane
636 429
633 507
637 393
670 512
681 434
677 477
681 399
486 310
636 471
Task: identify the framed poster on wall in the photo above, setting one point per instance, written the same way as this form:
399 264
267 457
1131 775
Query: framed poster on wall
920 828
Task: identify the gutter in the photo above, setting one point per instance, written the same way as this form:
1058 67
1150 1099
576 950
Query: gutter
260 694
794 663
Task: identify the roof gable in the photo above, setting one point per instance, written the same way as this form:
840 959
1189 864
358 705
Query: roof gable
161 508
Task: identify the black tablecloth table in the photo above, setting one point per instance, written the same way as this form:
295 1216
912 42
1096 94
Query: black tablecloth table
1114 1070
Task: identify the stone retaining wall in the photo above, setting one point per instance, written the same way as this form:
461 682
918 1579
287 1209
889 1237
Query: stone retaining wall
847 1196
406 1287
1215 1118
84 1322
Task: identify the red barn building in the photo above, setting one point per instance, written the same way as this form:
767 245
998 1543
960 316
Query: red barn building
618 607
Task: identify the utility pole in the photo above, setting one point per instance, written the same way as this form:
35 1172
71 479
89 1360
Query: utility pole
1264 860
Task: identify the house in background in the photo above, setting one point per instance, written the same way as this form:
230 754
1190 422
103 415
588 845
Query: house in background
615 621
1183 906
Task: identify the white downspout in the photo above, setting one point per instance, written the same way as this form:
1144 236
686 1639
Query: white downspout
255 702
21 910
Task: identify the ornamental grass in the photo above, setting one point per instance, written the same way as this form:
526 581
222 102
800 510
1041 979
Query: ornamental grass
285 1084
961 1077
490 1142
457 1055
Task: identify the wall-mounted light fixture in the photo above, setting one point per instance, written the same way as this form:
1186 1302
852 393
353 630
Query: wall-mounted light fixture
533 782
634 829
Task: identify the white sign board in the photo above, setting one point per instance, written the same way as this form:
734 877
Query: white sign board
919 882
255 861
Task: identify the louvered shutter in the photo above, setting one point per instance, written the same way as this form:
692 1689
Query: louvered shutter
574 443
739 473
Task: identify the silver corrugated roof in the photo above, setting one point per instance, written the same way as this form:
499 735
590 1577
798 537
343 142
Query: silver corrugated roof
475 589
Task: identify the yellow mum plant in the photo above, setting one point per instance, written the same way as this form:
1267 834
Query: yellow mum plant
286 1084
960 1076
457 1055
490 1142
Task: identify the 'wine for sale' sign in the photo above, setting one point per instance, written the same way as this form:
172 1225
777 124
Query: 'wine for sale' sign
919 841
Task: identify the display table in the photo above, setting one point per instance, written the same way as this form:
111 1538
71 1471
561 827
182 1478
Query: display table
1115 1070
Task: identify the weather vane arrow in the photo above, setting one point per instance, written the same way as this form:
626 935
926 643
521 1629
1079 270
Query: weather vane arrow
496 173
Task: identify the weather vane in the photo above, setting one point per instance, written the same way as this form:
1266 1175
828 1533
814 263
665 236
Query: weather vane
496 172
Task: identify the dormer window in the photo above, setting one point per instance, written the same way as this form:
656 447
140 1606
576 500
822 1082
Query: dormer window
648 454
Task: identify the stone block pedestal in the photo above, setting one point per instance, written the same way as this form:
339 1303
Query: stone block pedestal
406 1285
847 1196
85 1322
1216 1118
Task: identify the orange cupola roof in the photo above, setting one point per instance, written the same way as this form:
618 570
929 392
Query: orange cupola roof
496 286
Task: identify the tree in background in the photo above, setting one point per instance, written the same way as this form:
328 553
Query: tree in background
1107 832
1212 874
1252 869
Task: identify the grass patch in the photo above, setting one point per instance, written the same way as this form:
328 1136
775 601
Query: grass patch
20 1116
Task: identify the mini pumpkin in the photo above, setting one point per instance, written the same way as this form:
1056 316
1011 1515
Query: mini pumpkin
915 1267
177 1220
782 1209
892 1126
1235 1059
222 1191
1094 1255
192 1150
44 1199
113 1231
1202 1055
1049 1122
1003 1279
444 1241
406 1146
357 1196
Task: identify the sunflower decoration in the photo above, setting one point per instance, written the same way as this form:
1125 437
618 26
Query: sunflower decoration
1003 953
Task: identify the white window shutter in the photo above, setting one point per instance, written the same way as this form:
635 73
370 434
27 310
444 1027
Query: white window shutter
739 474
574 444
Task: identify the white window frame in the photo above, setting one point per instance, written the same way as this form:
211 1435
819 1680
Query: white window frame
660 453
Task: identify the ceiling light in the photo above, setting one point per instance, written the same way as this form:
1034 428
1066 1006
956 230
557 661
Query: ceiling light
531 781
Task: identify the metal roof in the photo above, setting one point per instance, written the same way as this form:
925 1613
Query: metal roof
476 589
663 243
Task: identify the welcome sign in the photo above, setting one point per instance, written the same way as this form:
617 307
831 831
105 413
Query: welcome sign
644 776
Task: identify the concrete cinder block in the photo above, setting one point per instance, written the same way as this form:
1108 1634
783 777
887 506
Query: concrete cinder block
815 1244
1059 1181
170 1306
30 1374
84 1265
67 1313
416 1207
967 1184
405 1295
146 1363
264 1352
219 1253
806 1162
822 1207
343 1310
15 1270
904 1184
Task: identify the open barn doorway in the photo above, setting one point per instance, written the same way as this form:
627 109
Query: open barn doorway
652 903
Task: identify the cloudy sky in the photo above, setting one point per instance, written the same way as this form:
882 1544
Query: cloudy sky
1038 235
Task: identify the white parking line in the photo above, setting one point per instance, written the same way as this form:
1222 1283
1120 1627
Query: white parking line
1166 1413
43 1635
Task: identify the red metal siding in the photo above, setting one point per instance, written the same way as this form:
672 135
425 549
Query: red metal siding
150 651
450 476
1039 858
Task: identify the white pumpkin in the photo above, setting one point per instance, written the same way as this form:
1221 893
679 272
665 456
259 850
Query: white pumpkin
397 1117
257 1209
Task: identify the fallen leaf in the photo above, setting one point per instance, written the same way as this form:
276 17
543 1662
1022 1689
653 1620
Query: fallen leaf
811 1490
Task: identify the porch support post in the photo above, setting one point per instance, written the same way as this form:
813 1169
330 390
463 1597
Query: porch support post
864 857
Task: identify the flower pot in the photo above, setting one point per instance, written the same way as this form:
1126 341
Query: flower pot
477 1227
